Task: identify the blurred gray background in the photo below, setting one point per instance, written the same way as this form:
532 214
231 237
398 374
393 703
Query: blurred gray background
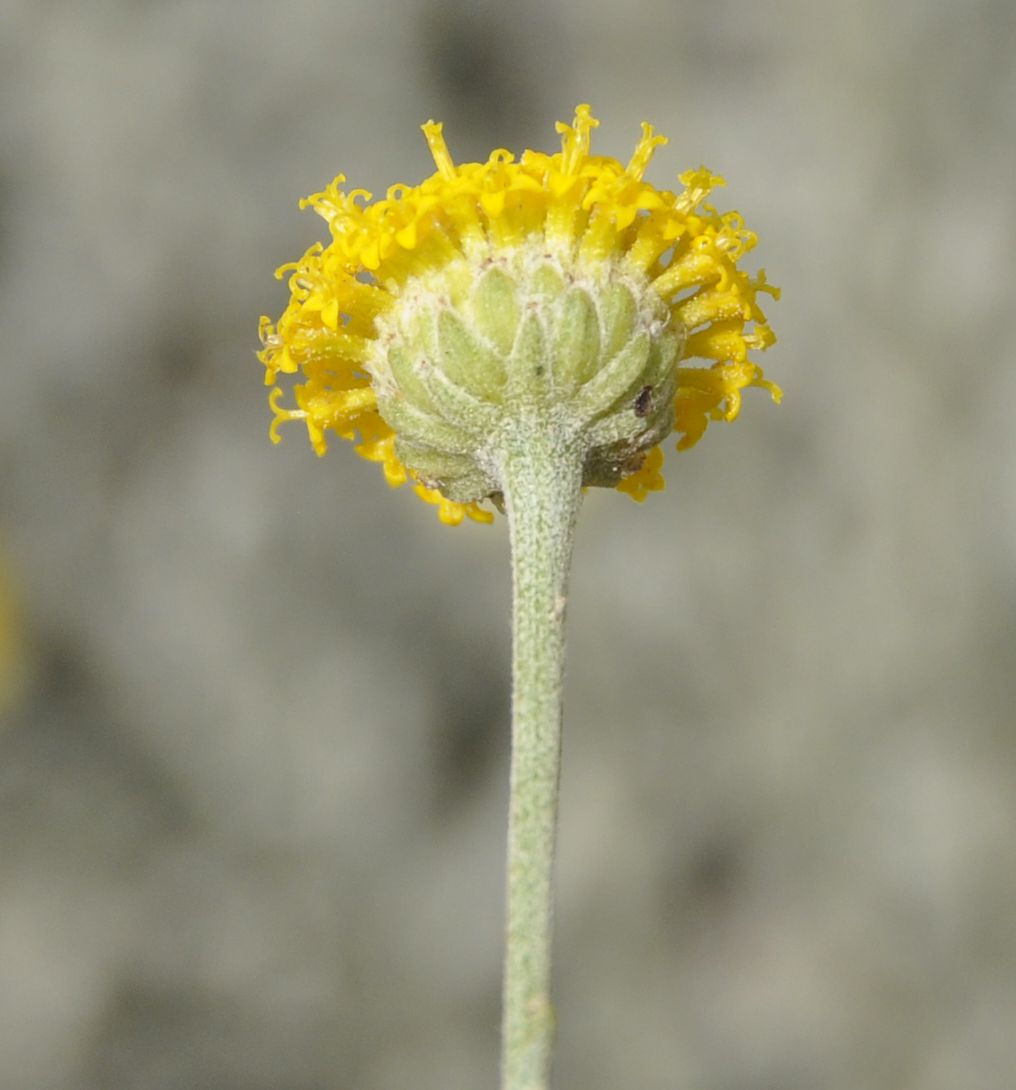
254 746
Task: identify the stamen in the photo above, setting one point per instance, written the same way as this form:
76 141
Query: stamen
762 285
698 185
575 139
439 149
644 152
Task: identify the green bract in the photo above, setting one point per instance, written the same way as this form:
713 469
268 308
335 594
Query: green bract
476 347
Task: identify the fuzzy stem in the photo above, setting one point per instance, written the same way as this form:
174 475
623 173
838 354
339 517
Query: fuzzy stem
541 476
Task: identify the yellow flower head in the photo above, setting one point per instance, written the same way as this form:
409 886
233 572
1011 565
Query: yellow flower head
410 328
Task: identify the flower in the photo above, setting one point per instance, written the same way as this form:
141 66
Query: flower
449 273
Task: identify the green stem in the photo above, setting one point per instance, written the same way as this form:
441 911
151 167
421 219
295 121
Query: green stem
541 476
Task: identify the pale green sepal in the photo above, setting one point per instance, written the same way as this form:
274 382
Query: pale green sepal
469 488
431 464
608 386
660 365
528 378
459 282
420 332
619 312
459 407
547 282
618 427
420 427
405 370
646 421
496 309
576 356
454 475
467 360
652 386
